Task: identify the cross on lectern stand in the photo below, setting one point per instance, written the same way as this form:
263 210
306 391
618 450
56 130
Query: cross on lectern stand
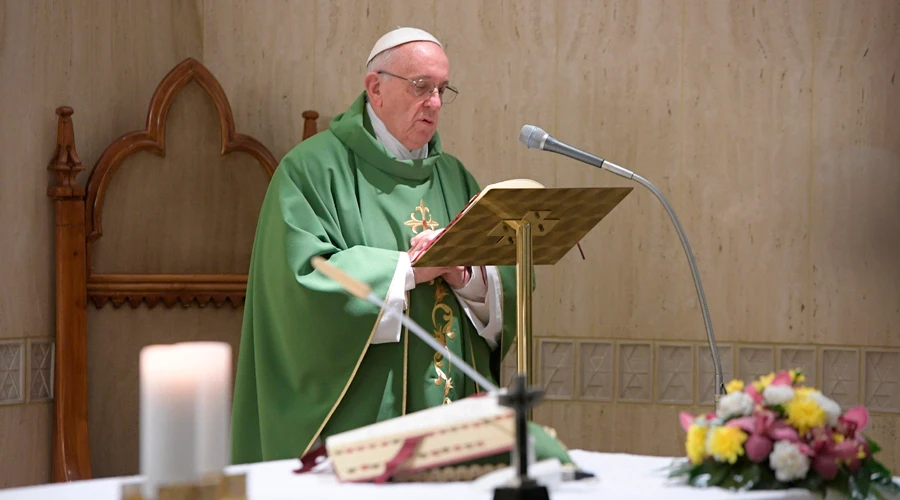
521 398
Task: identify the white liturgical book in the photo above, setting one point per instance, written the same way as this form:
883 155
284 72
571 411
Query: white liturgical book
445 435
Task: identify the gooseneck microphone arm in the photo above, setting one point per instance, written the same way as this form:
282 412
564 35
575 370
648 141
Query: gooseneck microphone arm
536 138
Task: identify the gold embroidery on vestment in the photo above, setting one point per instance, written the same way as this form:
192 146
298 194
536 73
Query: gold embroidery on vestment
426 222
442 319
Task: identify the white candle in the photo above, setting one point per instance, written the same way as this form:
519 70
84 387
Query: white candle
185 412
212 361
168 417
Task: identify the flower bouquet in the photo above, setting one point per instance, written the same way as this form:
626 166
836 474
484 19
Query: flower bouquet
776 434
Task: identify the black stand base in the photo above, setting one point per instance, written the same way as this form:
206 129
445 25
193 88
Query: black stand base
529 490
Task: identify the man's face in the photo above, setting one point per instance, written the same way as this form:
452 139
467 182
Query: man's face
412 120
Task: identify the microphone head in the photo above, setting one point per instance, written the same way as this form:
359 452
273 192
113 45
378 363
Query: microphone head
533 137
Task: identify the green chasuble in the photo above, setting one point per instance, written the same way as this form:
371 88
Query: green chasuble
306 367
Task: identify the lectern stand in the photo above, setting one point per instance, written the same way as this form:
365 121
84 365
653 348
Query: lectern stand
522 227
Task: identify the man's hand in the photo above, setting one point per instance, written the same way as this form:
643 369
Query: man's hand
420 242
456 277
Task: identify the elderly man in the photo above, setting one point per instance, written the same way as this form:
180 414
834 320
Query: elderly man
366 194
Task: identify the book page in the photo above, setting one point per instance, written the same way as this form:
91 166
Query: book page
464 410
513 184
507 184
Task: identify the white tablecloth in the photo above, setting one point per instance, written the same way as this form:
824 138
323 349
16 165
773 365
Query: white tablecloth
619 476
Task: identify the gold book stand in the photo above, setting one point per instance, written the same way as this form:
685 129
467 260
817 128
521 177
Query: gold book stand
522 227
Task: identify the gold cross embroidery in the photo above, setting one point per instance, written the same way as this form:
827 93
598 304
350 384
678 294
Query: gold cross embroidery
426 222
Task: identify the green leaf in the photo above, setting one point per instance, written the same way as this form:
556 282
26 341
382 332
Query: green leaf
873 445
719 474
892 488
879 473
710 473
779 409
768 481
730 481
880 489
681 468
813 482
700 475
863 478
859 486
747 476
841 486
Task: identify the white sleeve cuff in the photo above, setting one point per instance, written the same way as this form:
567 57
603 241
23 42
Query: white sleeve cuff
388 329
486 314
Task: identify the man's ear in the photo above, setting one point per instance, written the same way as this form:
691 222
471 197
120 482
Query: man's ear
373 89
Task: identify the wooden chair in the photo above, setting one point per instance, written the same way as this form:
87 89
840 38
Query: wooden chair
78 220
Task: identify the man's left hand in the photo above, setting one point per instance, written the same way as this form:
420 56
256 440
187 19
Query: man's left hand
457 277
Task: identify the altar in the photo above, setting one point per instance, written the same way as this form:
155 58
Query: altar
618 476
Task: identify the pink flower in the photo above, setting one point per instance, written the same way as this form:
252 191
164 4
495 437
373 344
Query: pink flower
783 378
764 428
850 425
753 393
853 421
687 419
826 451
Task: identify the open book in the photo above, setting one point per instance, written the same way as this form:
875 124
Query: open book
508 184
465 430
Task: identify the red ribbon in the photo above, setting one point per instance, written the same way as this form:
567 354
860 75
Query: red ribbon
405 453
310 460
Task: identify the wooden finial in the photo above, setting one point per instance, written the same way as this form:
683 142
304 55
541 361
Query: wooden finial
309 124
65 162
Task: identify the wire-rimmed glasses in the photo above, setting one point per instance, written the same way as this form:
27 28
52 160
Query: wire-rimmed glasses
424 88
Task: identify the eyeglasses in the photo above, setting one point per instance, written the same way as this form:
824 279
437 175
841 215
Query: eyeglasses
423 88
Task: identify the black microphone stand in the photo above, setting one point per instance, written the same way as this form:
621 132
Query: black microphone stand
521 398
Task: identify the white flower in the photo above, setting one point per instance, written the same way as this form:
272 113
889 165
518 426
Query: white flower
735 404
788 461
832 409
778 394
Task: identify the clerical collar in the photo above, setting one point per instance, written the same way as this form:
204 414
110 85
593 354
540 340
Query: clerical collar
390 143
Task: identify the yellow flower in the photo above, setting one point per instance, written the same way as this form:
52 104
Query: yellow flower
804 413
803 392
734 386
763 382
726 444
696 443
797 377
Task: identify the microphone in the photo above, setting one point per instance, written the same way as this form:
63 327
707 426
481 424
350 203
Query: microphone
536 138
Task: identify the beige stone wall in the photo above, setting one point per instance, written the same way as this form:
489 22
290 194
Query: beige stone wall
103 59
770 126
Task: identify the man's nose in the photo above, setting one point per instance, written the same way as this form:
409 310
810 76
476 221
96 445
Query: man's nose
434 100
